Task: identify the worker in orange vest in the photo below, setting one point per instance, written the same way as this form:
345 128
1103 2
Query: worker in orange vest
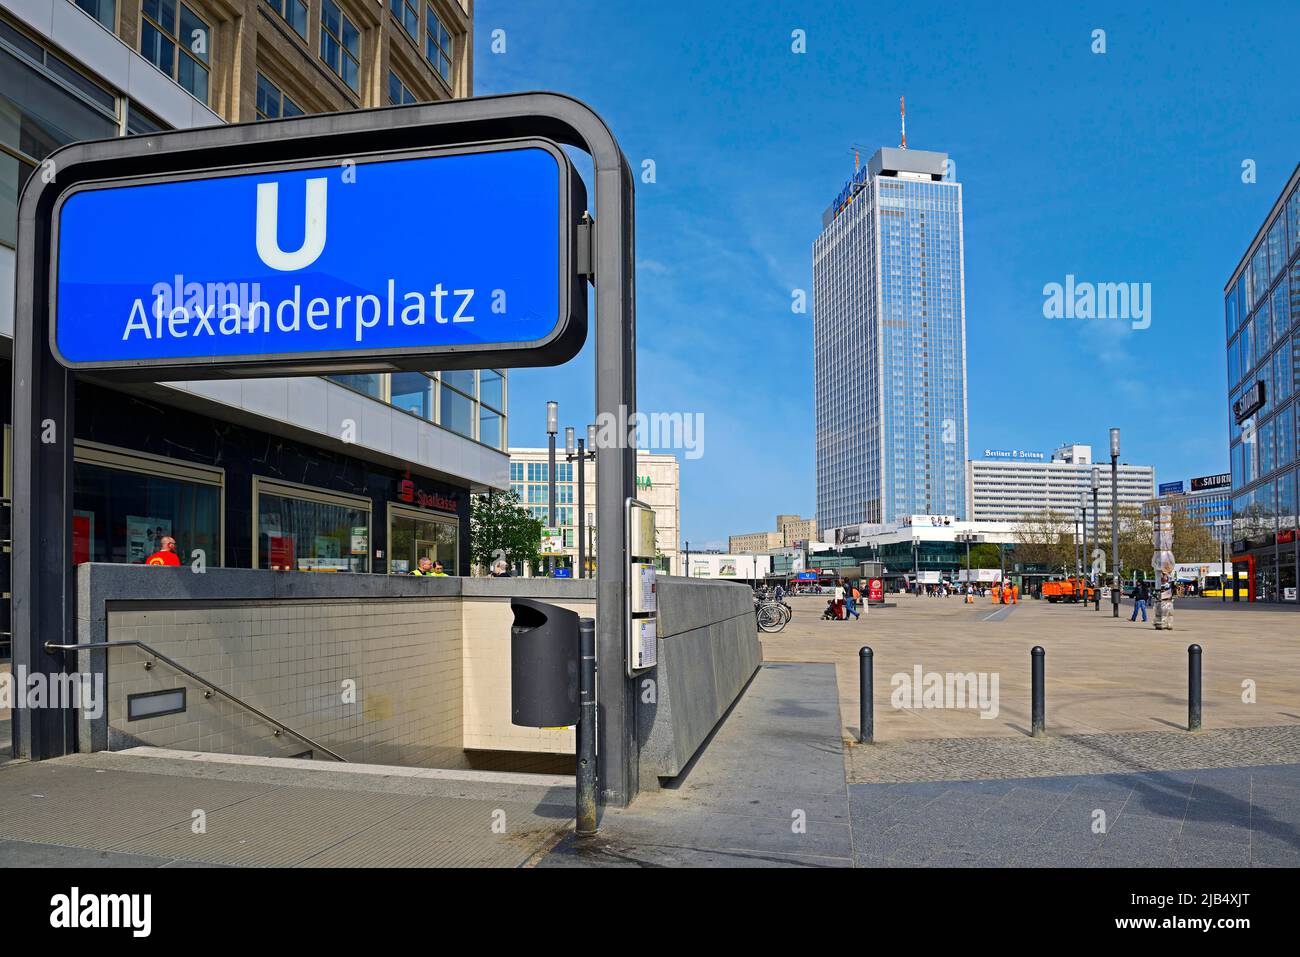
995 592
1015 594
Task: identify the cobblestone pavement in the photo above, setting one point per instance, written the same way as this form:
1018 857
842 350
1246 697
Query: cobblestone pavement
1104 674
1230 817
973 759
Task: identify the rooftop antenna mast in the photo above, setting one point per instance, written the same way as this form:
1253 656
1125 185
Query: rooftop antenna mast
902 114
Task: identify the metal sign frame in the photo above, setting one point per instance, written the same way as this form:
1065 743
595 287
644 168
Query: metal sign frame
562 344
44 596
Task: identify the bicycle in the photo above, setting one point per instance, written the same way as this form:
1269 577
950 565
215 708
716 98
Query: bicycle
772 615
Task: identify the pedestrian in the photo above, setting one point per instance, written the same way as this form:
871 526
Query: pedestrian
500 569
166 554
438 571
424 566
838 599
851 603
1140 597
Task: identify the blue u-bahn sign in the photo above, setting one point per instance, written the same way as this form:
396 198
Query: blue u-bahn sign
417 261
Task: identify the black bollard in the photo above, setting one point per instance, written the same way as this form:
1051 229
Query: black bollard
1193 687
586 782
866 716
1036 658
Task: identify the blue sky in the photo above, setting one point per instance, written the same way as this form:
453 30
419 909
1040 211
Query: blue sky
1122 166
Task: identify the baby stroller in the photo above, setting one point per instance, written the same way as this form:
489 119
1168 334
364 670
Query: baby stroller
833 612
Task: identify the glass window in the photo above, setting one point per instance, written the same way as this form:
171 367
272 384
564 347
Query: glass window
398 92
457 412
491 389
293 12
1281 311
123 505
139 122
105 11
408 15
1283 377
462 379
340 44
1277 246
1293 218
1284 438
1263 331
413 391
271 103
438 44
516 471
1234 365
1265 440
301 530
1230 314
412 536
39 115
489 427
371 384
1259 273
181 49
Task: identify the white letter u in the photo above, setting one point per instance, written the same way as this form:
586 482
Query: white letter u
268 227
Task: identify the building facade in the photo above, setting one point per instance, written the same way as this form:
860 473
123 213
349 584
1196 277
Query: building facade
658 484
1009 485
755 542
791 531
889 329
1206 500
1262 325
350 473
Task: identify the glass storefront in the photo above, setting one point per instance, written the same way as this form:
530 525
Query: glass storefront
414 534
124 503
304 529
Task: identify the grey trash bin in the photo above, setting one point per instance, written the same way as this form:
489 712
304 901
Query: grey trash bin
543 665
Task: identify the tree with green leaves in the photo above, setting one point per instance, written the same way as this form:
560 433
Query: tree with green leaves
983 555
499 527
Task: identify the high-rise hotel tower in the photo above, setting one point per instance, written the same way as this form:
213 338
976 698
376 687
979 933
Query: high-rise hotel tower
889 323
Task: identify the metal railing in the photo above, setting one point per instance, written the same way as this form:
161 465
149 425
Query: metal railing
96 646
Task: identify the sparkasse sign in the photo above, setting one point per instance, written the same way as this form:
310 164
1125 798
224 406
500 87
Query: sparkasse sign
423 259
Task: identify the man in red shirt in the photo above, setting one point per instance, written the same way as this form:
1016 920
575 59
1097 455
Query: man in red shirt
166 554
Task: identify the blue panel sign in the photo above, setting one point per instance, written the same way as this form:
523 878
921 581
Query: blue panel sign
1171 488
429 260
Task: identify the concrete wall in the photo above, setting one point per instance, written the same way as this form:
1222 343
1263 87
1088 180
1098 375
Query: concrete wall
708 651
430 659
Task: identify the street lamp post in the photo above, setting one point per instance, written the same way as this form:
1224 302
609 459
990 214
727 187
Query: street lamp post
1114 522
1083 544
586 450
1096 591
552 427
687 570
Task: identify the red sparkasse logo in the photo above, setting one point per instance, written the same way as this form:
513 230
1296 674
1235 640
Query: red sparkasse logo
407 492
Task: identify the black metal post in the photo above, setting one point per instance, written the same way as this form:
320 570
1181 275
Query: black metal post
550 472
1223 577
1037 721
1096 582
586 784
1114 535
866 692
582 508
1193 687
687 570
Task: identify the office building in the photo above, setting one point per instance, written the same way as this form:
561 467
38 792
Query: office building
791 531
658 484
889 328
358 473
1262 324
1206 499
1007 485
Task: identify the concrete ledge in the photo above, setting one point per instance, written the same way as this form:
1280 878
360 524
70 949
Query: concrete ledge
708 651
